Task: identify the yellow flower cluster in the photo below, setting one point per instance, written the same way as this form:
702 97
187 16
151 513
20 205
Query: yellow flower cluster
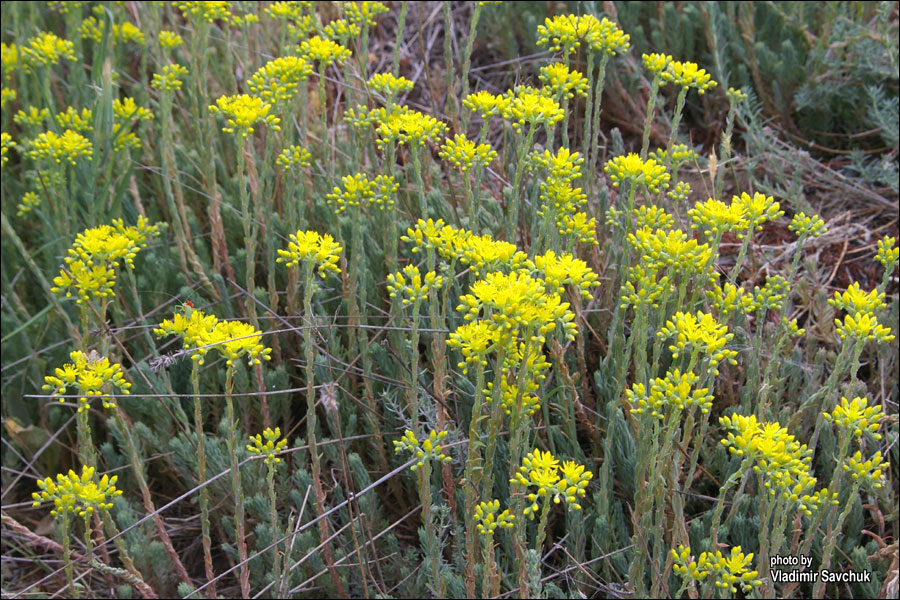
542 471
487 519
770 296
310 247
474 340
725 299
270 447
324 51
758 209
805 226
201 332
95 254
359 190
463 154
79 494
45 50
286 10
209 11
294 156
631 168
700 332
486 104
277 81
341 30
169 80
660 249
242 112
642 288
479 252
389 85
515 301
888 252
863 327
677 155
855 300
560 198
82 122
688 74
729 572
714 217
88 373
126 112
405 125
870 471
412 286
124 32
562 81
364 12
568 32
6 143
656 63
169 40
532 106
9 59
565 269
676 391
857 416
429 449
30 201
780 459
31 117
7 95
69 147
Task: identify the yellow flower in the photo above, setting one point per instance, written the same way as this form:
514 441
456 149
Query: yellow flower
701 332
642 289
656 63
769 297
688 74
389 85
9 57
564 166
88 374
631 168
855 300
69 146
412 286
805 226
169 80
310 247
463 153
278 81
270 447
579 226
529 105
242 112
759 208
169 40
234 339
341 30
208 11
678 155
567 32
725 299
46 49
661 249
888 252
429 449
359 190
324 51
870 471
541 470
857 416
565 269
487 519
714 217
194 327
7 95
82 122
6 143
285 10
676 391
293 157
734 570
33 117
562 81
30 201
79 494
474 340
863 327
486 104
409 126
364 12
